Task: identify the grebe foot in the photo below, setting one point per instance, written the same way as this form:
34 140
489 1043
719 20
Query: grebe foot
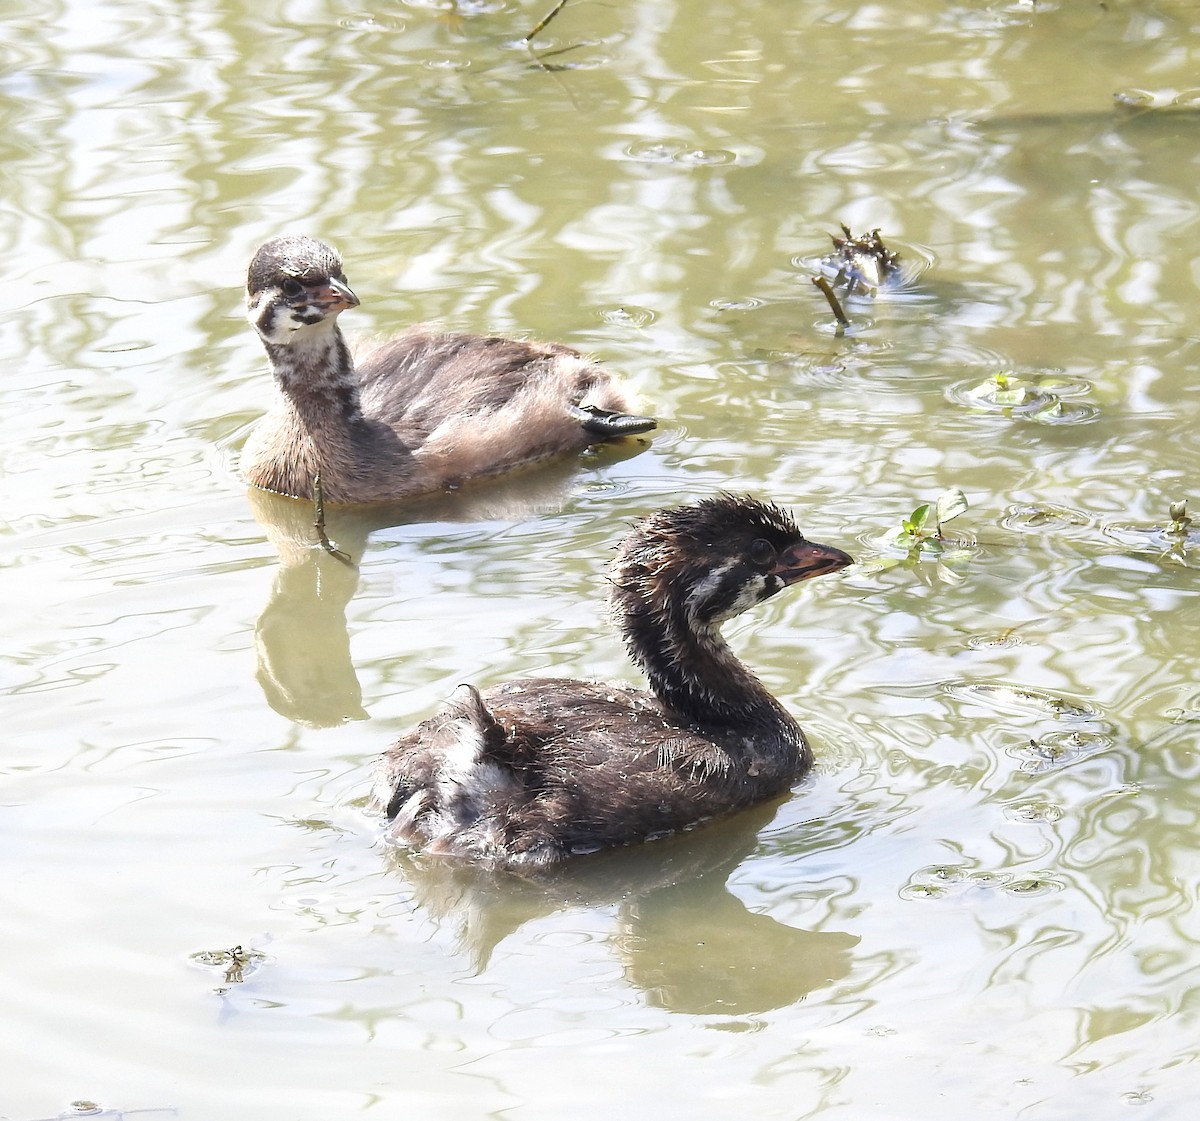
606 422
319 523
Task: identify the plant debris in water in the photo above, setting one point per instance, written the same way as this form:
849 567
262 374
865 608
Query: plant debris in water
835 305
545 20
235 963
1177 542
861 265
1043 515
942 881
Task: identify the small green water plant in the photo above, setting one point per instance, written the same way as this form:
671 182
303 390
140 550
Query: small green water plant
1177 542
1039 397
1180 535
921 539
1006 389
1181 524
915 531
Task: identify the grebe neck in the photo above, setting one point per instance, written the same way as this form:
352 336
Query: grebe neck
695 675
315 374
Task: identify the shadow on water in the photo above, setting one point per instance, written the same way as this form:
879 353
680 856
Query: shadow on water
303 646
683 938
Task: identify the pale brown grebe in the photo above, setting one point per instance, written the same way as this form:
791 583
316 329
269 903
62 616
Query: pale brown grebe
421 412
533 771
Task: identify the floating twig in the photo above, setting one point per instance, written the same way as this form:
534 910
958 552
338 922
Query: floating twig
834 302
319 522
554 53
546 19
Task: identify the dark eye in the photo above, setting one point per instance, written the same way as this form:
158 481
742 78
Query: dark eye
292 288
762 553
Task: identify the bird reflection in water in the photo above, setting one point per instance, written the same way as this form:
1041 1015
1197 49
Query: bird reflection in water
684 939
305 666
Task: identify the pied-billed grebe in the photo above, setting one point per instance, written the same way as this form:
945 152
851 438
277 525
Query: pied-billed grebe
421 412
533 771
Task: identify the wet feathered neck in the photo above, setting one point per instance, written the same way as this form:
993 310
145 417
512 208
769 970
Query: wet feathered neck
689 665
314 373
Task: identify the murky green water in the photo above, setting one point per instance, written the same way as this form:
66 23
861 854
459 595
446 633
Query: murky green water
983 902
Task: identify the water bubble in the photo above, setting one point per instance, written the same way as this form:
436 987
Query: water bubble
368 23
706 157
678 152
994 642
654 151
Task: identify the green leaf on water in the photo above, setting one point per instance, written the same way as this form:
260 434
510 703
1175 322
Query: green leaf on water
915 522
950 505
1055 410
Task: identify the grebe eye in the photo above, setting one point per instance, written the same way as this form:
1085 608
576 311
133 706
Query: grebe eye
292 288
762 553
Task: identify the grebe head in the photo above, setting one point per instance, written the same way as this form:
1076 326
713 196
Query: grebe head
716 558
295 288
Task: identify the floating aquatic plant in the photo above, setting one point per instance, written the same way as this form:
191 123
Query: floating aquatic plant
1041 398
1177 542
1180 522
921 538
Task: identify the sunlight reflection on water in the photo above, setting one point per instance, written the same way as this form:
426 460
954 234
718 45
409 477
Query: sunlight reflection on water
979 899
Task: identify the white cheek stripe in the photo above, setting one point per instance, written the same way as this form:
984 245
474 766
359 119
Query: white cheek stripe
285 325
705 589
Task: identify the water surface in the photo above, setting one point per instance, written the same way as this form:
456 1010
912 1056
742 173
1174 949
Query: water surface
982 901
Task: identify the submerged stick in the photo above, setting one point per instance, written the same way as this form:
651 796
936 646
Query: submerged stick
546 19
834 302
319 522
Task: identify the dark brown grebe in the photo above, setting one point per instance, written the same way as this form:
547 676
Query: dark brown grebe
421 412
533 771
